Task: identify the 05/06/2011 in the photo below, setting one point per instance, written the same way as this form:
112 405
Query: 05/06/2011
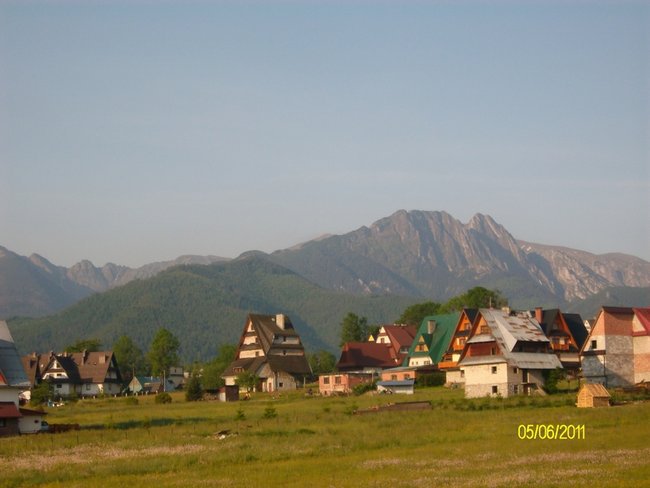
567 432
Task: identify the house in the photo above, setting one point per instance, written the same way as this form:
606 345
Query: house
398 337
341 383
505 354
31 421
367 357
593 395
13 381
617 351
566 332
269 348
144 385
398 380
86 374
404 387
431 340
387 349
449 361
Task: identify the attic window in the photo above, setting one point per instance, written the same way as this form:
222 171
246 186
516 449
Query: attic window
594 344
494 370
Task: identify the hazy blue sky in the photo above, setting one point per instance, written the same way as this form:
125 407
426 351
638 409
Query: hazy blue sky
134 131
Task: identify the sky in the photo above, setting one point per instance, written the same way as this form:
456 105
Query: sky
139 131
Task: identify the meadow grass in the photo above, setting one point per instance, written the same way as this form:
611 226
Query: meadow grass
314 441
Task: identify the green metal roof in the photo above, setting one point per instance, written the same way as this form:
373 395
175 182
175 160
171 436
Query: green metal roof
438 342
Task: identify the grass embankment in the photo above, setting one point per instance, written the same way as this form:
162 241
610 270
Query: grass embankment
299 441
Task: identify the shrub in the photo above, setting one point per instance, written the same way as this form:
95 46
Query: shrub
131 400
364 387
270 412
194 392
240 415
431 379
163 397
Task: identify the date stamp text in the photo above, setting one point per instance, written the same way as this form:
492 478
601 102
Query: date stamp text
556 432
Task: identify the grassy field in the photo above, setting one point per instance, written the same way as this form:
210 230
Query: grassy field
299 441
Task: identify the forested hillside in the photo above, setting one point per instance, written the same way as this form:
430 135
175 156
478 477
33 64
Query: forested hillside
205 306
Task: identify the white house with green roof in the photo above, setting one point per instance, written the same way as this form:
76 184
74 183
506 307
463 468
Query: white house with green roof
431 340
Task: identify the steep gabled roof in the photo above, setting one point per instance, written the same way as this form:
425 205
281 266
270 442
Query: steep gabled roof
577 327
438 341
266 328
12 372
508 331
400 335
93 367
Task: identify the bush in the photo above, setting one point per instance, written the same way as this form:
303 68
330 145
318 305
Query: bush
131 400
163 398
270 412
194 392
431 379
364 387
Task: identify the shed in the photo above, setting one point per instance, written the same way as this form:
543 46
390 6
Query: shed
402 386
593 395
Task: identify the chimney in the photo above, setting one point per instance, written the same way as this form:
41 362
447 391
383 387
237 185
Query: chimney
431 326
279 320
538 314
84 356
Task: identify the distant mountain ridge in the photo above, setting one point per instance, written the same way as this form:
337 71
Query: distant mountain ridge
33 286
414 253
433 254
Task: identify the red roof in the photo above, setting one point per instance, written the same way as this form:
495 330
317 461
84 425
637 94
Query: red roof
359 355
401 335
9 410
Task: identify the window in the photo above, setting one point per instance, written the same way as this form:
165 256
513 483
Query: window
462 373
280 384
393 377
59 385
407 376
87 386
493 351
495 389
326 380
337 380
484 329
515 370
494 370
594 344
515 389
3 423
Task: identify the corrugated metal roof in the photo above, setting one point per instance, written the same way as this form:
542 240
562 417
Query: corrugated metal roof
11 366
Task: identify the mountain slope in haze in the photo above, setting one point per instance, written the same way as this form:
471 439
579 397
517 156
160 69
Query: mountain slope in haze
205 306
432 254
33 286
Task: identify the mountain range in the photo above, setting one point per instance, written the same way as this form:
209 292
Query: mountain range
374 271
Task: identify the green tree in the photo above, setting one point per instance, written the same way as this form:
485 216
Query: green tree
163 352
130 358
414 315
90 345
193 390
211 378
42 393
477 297
321 362
353 328
247 380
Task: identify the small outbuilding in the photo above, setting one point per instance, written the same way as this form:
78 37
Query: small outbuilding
593 395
